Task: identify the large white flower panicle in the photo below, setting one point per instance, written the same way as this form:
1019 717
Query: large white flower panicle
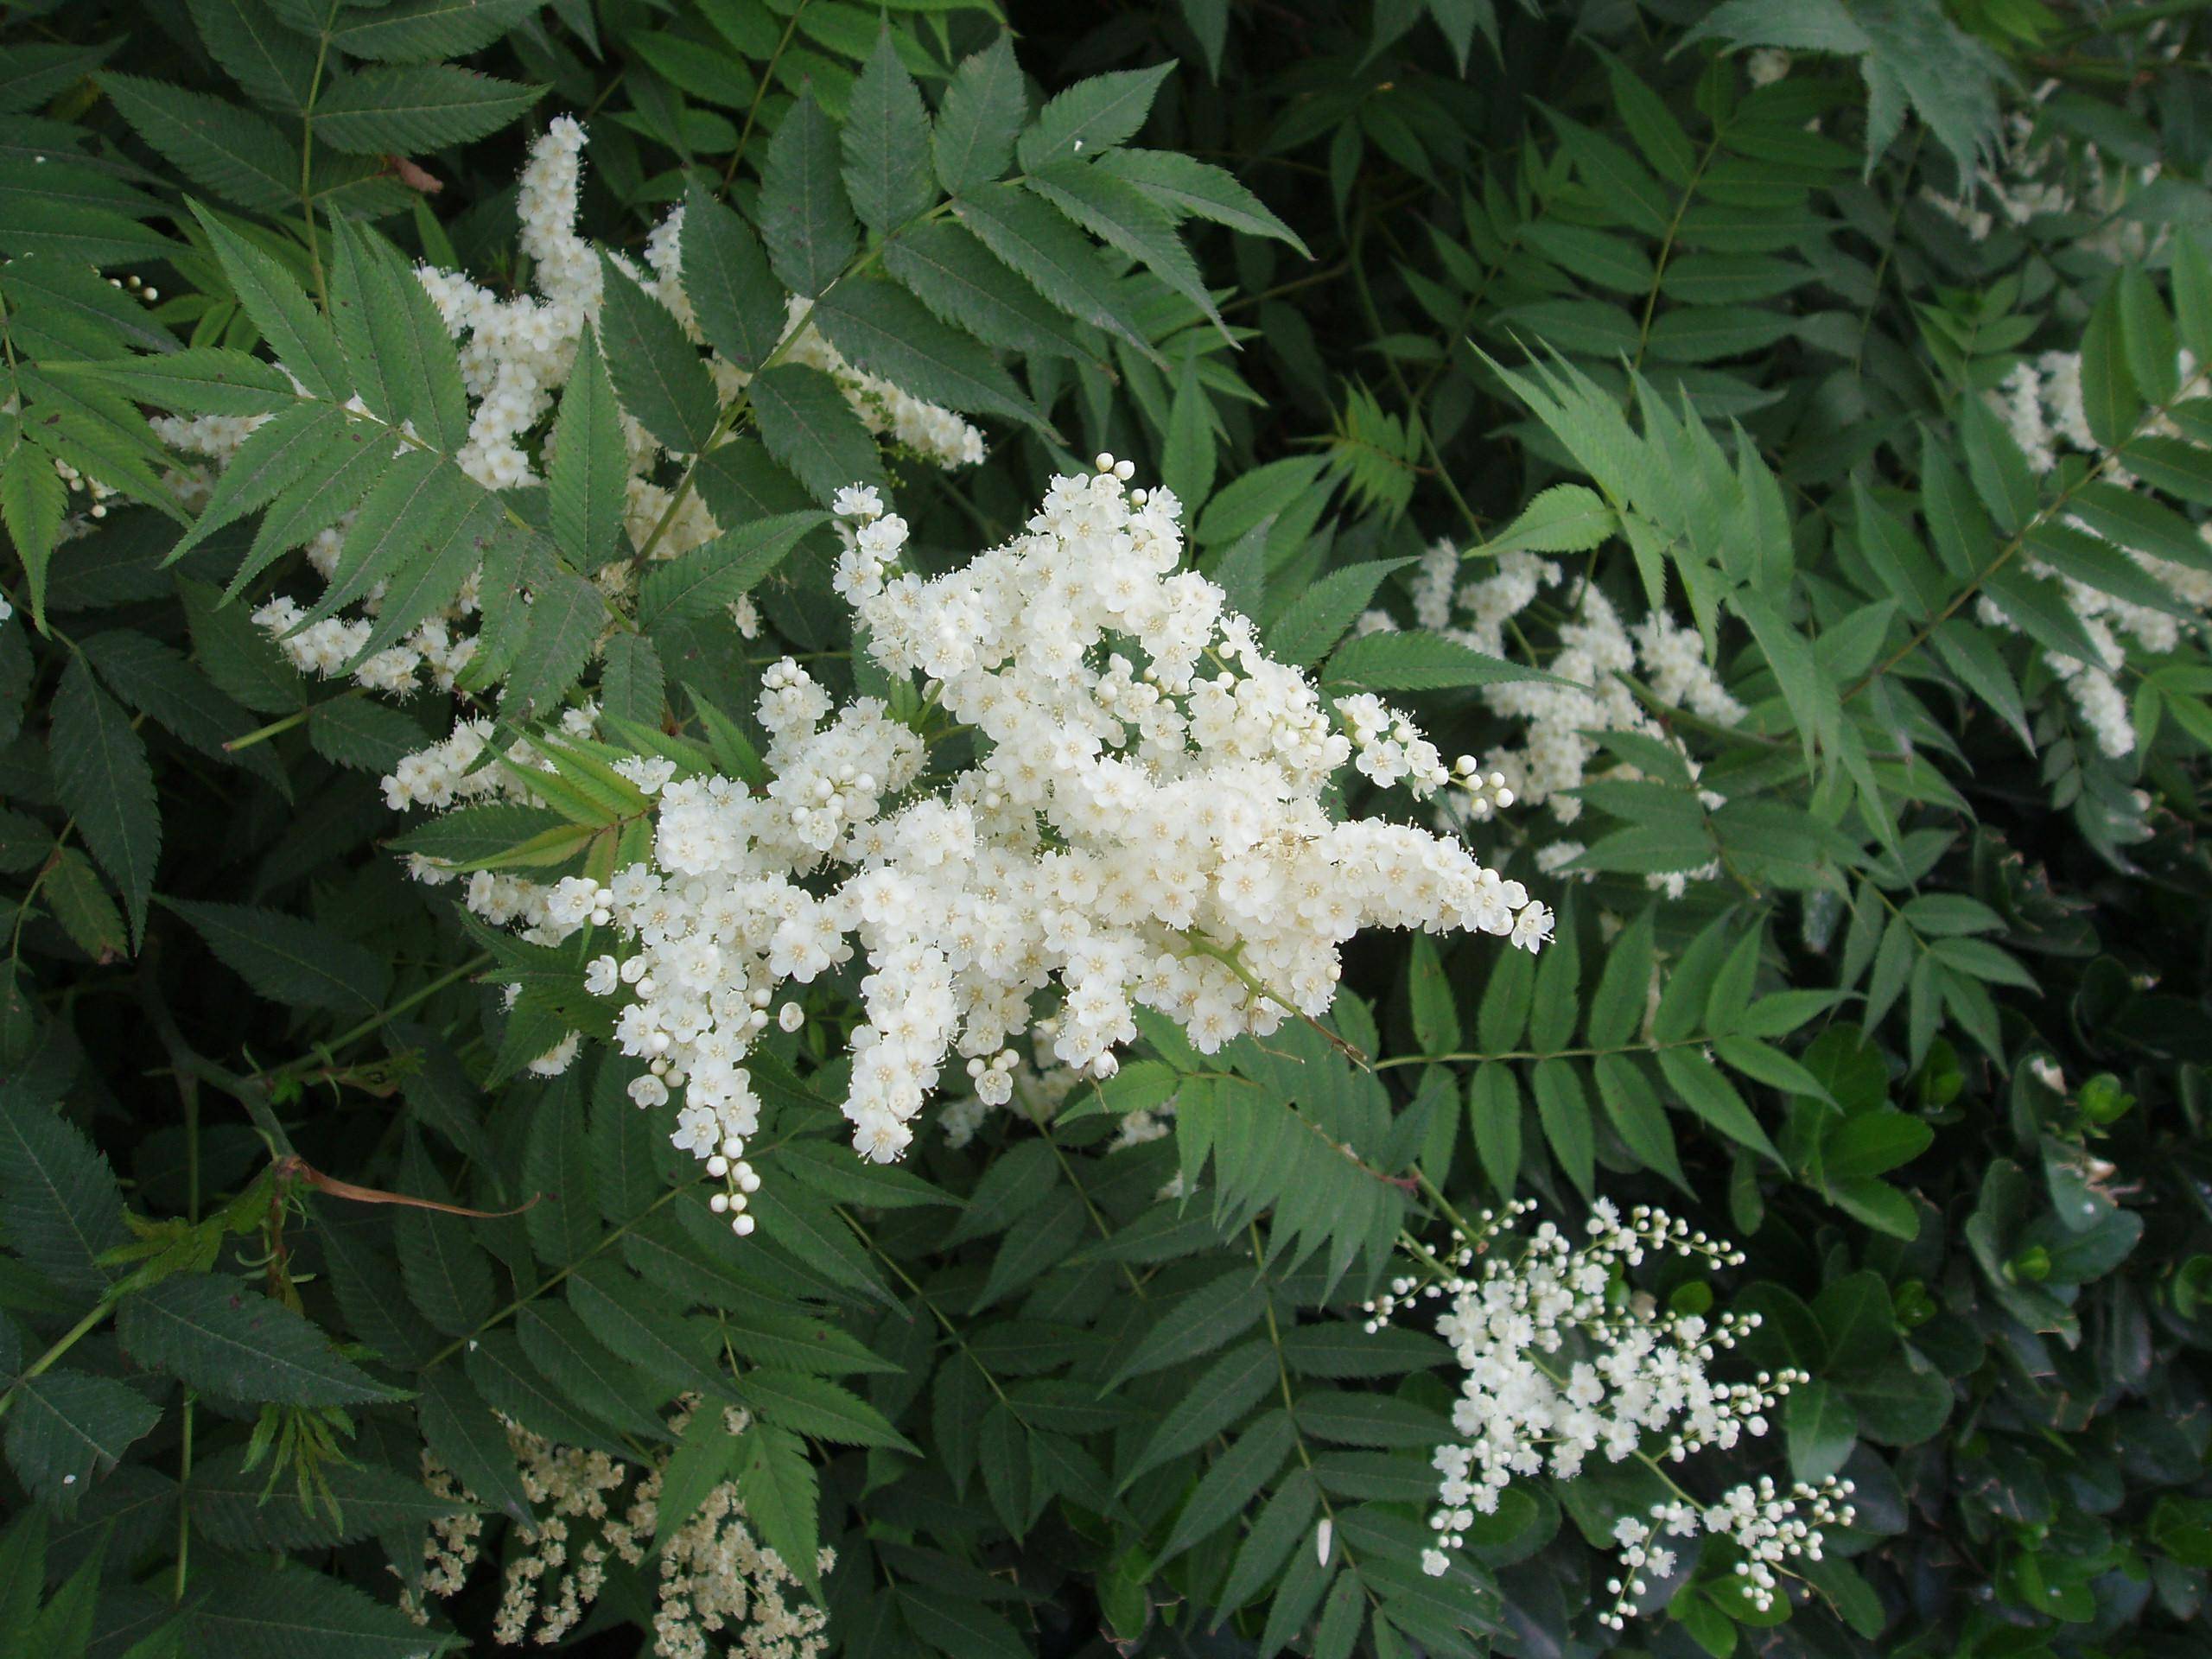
1142 823
2040 403
1561 1360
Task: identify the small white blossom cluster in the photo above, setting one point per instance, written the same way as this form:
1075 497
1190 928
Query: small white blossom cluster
1561 1358
516 353
1142 824
2040 403
1596 649
720 1590
2031 176
438 648
1036 1094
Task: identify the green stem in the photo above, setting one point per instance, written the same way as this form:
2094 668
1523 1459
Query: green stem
62 1345
529 1296
307 160
1461 1058
761 93
278 727
2037 520
412 999
1667 248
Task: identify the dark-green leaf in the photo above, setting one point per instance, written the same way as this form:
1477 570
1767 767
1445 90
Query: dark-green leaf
739 303
887 332
288 960
807 425
657 370
103 779
223 1336
804 217
886 142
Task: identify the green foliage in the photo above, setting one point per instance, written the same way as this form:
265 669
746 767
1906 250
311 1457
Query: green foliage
1887 963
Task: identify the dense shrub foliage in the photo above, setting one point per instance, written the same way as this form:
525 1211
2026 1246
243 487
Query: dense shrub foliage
684 977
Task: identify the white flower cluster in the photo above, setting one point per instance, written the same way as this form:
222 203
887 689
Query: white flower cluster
1596 649
516 353
2032 175
1142 823
1560 1359
1036 1094
2040 403
720 1590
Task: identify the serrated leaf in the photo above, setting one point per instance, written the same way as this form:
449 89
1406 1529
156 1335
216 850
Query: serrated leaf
198 380
227 1339
275 65
804 217
709 578
426 31
37 70
706 1455
982 115
409 111
66 1427
1091 117
447 1275
221 148
102 778
808 427
289 960
1285 1521
888 332
656 370
1186 463
73 891
588 481
775 1478
1230 1481
1301 636
1709 1094
1197 1323
739 303
33 499
607 1387
259 1612
646 1328
1123 216
307 440
233 1508
815 1405
1036 243
1494 1111
463 1435
960 281
303 341
561 1221
566 616
1564 1110
886 142
1564 518
633 685
64 1210
398 327
1414 660
1186 187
